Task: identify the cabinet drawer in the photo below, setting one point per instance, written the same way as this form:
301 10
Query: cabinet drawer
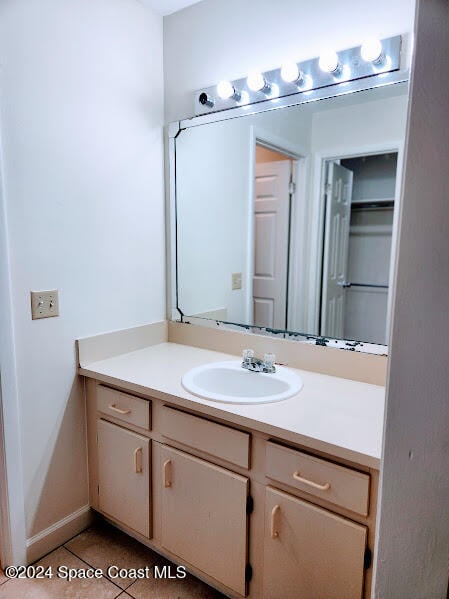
122 406
212 438
339 485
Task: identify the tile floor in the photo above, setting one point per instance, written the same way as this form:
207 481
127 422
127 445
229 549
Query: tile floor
101 546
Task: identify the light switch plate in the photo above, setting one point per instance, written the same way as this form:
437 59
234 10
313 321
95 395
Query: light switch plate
44 304
236 280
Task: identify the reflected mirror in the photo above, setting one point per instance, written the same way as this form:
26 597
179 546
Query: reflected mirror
286 218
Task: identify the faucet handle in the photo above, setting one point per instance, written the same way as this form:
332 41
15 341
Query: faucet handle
247 354
269 359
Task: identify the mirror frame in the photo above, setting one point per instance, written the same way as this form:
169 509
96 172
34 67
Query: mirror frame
176 127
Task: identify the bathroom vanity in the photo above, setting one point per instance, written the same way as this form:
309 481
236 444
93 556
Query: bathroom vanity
281 220
270 500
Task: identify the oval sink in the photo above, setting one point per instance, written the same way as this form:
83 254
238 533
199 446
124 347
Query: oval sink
230 383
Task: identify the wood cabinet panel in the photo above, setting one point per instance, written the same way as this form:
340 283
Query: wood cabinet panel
215 439
342 486
204 518
309 552
124 476
123 406
199 518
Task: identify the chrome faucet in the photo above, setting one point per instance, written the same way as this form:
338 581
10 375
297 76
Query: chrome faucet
249 362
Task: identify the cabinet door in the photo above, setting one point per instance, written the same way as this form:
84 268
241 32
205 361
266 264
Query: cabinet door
204 518
124 476
310 553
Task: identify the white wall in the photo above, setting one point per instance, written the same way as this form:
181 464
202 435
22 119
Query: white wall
12 511
225 39
81 112
413 531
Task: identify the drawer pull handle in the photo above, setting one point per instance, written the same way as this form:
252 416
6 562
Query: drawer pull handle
167 471
274 531
138 468
118 410
300 479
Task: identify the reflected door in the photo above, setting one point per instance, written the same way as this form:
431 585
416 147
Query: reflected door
271 228
336 244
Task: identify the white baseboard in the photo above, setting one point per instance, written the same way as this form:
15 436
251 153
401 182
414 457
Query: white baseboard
58 533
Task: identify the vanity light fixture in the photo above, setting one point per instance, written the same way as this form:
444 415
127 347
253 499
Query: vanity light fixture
329 62
305 84
371 58
290 73
256 82
205 100
372 51
226 90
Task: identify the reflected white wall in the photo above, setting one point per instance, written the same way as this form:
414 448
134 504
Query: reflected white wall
214 172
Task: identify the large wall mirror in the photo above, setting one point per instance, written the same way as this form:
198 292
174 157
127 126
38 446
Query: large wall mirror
286 219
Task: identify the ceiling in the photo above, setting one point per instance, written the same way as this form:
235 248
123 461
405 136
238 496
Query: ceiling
167 7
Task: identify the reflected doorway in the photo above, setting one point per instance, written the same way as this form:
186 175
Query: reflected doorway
360 198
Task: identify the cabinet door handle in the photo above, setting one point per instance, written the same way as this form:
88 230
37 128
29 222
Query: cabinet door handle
300 479
138 468
167 471
116 409
274 531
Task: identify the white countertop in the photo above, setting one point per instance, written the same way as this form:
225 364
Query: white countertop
341 417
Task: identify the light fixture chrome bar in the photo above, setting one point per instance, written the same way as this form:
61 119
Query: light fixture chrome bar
351 67
323 93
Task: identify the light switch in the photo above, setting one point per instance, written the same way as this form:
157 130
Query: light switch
44 304
236 280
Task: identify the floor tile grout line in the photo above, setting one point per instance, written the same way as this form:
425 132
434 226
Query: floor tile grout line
133 582
45 555
91 525
4 583
119 589
91 566
125 592
59 546
119 594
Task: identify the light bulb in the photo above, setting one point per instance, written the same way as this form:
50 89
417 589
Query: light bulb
371 50
257 82
328 62
290 72
225 90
